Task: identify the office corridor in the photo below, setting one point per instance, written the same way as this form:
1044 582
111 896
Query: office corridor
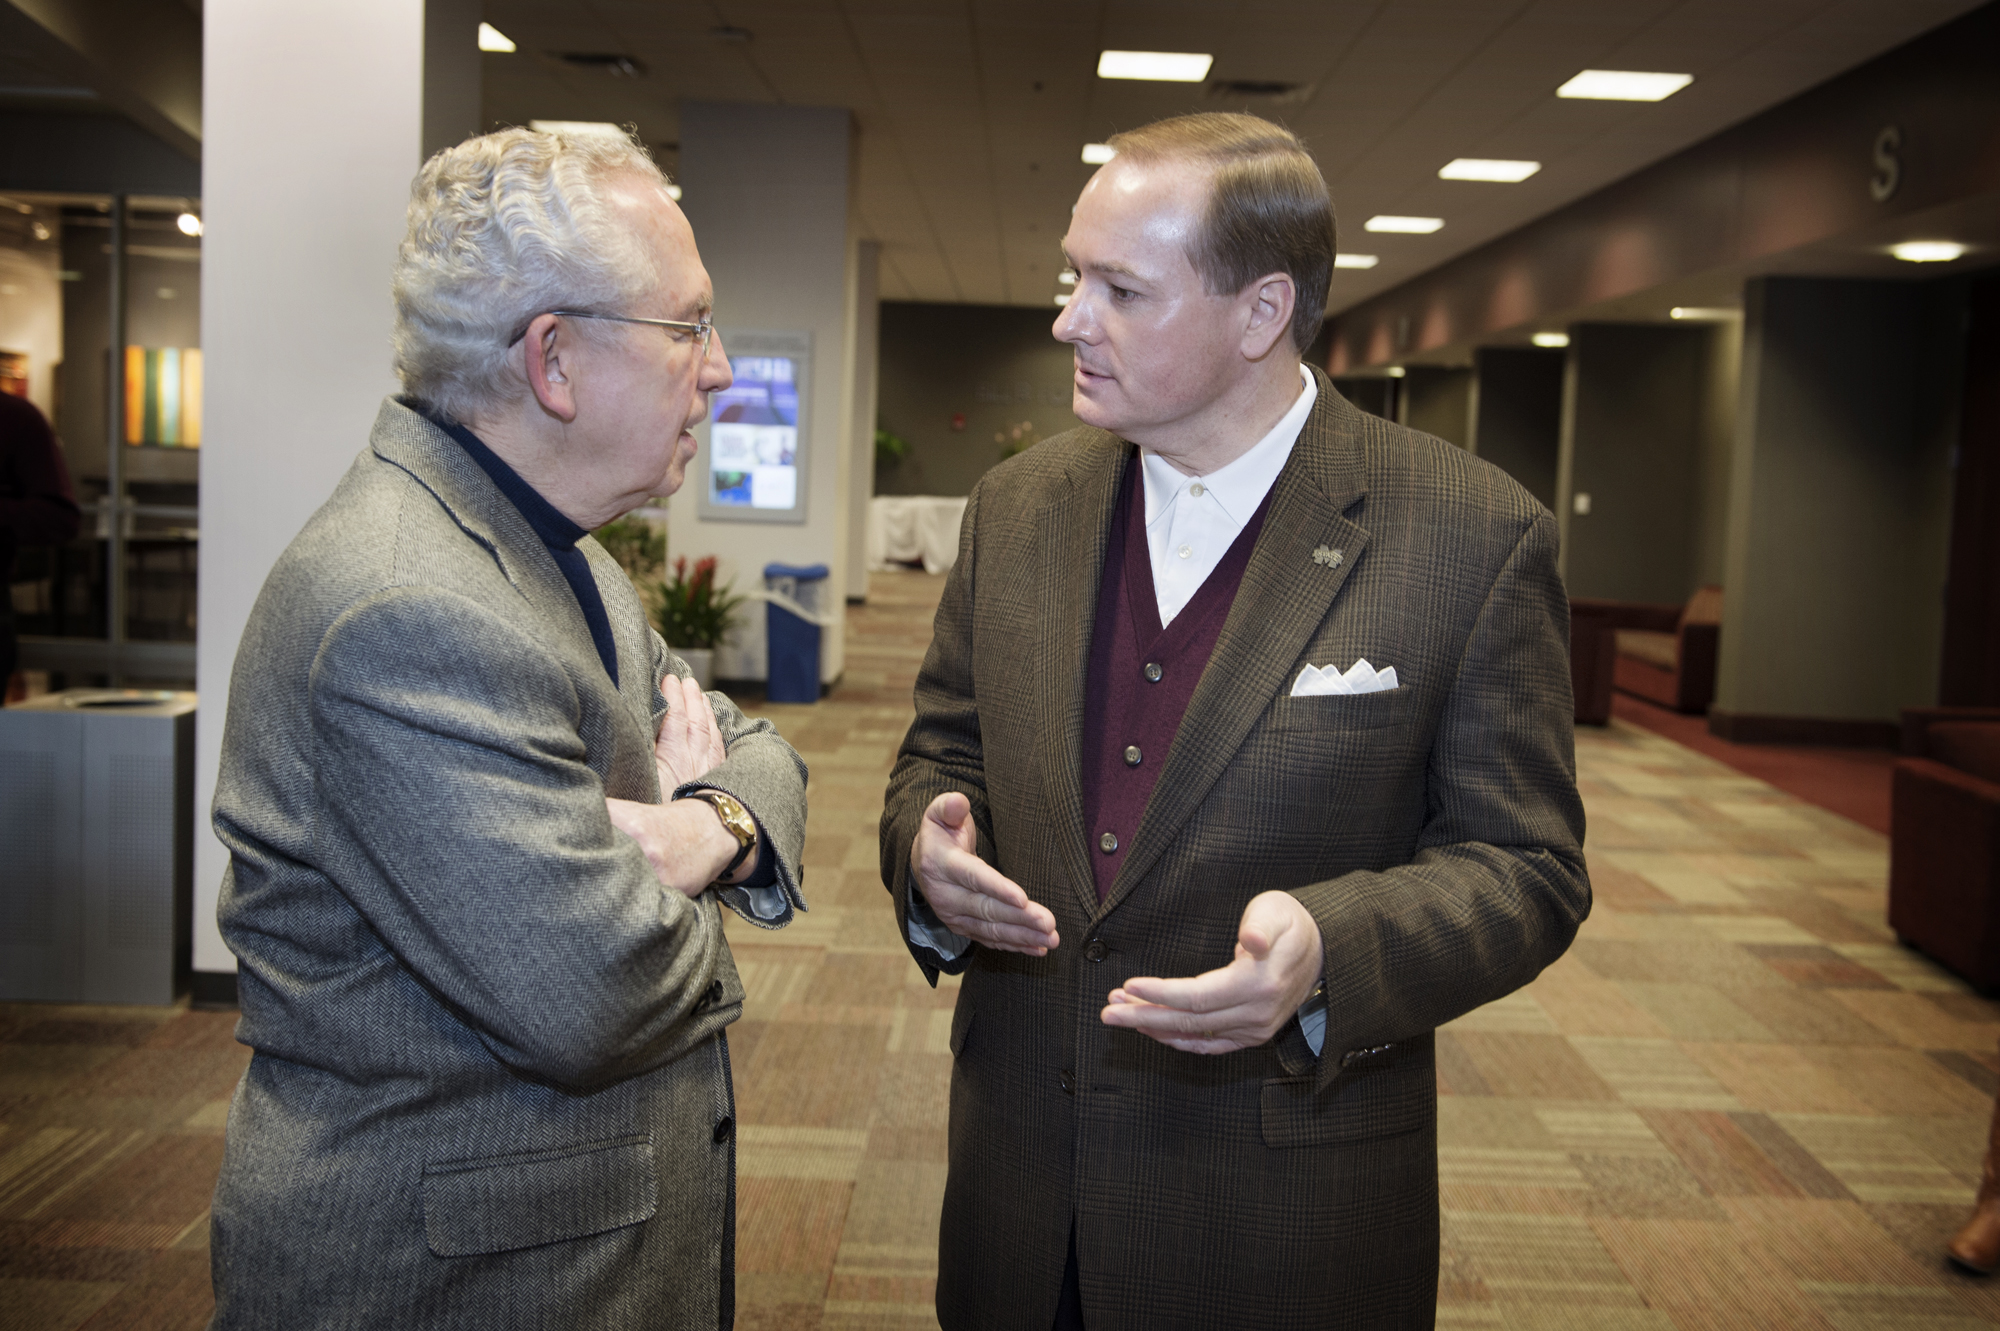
1735 1103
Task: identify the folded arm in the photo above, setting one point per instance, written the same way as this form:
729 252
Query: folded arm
460 818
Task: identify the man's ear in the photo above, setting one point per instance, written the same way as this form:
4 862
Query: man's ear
548 358
1272 300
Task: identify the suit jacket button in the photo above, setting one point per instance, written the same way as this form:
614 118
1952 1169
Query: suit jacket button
1107 843
1153 671
1131 755
722 1130
1067 1082
1095 950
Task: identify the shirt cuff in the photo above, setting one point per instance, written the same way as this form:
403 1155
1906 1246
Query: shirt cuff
1312 1021
927 930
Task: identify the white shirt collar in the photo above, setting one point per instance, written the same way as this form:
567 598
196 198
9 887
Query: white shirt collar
1238 487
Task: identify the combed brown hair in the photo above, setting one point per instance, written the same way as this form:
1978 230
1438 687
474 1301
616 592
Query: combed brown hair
1268 211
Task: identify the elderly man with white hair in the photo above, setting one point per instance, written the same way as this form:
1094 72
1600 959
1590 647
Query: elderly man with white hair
482 963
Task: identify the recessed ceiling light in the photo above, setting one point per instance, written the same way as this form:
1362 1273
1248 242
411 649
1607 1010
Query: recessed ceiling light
492 39
189 224
1704 312
1062 297
674 192
1395 371
1355 260
1487 168
1097 154
1163 66
1624 85
574 127
1067 277
1416 226
1551 339
1927 251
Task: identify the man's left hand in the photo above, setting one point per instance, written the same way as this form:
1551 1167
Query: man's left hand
1242 1005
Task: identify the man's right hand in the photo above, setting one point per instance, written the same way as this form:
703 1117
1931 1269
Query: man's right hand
970 896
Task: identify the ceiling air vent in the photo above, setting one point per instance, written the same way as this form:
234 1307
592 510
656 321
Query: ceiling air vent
1272 91
617 66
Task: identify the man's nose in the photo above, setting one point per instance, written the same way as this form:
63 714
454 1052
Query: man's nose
1073 324
716 373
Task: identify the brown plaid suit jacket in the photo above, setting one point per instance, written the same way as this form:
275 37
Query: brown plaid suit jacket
1434 832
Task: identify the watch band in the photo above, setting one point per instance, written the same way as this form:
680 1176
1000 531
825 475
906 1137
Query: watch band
736 820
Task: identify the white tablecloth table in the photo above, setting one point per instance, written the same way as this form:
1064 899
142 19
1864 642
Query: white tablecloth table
902 528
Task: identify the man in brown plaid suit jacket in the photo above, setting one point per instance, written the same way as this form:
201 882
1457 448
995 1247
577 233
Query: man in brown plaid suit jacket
1210 905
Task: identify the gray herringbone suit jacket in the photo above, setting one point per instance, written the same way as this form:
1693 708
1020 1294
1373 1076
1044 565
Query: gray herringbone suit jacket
490 1086
1434 832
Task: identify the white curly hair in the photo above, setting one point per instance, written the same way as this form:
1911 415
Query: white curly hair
504 227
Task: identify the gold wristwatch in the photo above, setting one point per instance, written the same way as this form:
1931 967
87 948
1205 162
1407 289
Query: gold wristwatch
736 820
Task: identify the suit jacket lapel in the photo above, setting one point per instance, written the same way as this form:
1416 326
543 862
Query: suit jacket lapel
1073 533
1285 595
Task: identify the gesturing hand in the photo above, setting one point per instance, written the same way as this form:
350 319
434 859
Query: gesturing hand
1242 1005
970 896
690 743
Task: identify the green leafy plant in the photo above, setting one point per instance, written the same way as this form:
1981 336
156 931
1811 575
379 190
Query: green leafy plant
890 448
1019 439
694 612
640 547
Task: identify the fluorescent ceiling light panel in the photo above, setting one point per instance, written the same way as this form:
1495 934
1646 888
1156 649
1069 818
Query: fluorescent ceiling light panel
1415 226
1062 298
1712 313
1927 251
1355 260
574 127
1067 277
1395 371
1551 339
1487 168
492 39
1624 85
1161 66
189 224
1097 154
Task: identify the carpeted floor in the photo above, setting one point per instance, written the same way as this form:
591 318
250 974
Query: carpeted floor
1736 1103
1853 783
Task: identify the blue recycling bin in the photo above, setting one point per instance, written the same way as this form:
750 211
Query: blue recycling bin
793 640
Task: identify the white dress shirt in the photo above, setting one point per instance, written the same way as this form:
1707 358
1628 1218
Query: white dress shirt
1191 521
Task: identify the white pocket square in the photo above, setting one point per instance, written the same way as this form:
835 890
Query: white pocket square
1358 678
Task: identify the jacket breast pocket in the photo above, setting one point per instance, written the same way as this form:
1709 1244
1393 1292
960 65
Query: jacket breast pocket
1344 711
1389 1095
506 1202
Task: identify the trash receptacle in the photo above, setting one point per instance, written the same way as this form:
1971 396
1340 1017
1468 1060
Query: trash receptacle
791 630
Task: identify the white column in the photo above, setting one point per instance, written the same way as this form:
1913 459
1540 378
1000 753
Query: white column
313 120
766 189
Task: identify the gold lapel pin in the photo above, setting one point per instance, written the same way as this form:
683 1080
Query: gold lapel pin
1330 558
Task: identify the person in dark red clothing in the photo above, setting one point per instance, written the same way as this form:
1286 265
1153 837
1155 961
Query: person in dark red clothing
37 505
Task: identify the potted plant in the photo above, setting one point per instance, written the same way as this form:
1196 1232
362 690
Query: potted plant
695 615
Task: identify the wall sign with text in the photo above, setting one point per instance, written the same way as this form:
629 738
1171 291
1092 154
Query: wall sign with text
758 435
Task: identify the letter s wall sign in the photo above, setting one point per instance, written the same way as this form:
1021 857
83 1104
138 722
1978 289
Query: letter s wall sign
1888 169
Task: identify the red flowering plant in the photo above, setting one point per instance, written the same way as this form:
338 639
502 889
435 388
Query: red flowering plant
694 612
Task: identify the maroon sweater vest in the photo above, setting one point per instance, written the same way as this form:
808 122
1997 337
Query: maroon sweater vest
1141 675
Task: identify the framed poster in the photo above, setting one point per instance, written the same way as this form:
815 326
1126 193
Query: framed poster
758 437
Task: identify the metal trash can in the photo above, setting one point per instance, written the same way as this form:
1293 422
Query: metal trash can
97 846
793 617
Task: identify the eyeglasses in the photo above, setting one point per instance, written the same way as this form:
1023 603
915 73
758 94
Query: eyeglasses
703 331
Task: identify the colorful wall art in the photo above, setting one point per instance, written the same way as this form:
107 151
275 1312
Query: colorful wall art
163 396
